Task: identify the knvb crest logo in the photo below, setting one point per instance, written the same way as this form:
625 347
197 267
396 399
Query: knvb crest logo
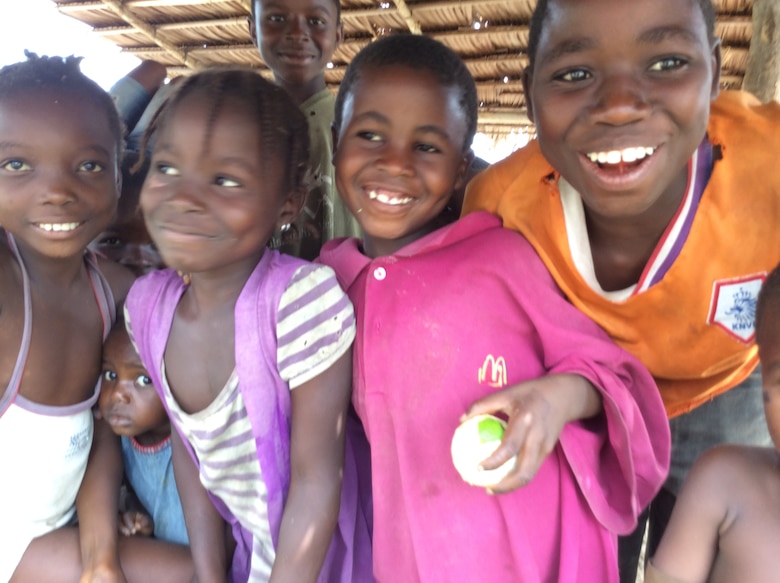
733 305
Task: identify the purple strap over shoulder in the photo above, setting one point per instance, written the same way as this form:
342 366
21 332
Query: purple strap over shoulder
103 296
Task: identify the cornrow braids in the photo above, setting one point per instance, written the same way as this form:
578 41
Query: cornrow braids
768 297
59 74
420 53
542 8
282 128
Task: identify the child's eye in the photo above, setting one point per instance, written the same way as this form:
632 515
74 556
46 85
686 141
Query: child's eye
110 241
15 166
667 64
109 375
275 18
428 149
143 381
315 21
573 75
167 169
91 166
370 136
226 182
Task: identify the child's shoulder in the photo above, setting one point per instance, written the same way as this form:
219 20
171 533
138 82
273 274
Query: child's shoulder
738 119
733 472
492 243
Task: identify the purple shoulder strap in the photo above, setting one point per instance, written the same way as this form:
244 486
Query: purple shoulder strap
266 397
103 296
12 389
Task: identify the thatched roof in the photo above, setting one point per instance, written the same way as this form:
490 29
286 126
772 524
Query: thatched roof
490 35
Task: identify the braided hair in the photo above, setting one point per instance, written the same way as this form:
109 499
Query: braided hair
282 128
59 74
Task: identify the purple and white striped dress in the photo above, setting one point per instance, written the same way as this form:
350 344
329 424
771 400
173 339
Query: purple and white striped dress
315 327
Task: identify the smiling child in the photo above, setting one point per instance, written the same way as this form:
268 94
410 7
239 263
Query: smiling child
457 320
654 204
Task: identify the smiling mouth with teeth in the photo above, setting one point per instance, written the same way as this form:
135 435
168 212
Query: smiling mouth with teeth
624 156
57 227
387 199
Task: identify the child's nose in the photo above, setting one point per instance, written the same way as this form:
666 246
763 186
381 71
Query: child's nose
187 195
121 392
395 160
297 29
621 99
58 188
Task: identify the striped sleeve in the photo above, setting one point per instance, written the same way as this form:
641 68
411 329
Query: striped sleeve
315 325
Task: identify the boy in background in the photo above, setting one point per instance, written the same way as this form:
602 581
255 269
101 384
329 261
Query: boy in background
297 39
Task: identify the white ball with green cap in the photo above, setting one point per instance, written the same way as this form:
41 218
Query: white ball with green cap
474 441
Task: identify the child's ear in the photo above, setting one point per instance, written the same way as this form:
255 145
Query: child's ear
252 29
291 207
716 57
339 33
527 79
334 140
463 169
118 182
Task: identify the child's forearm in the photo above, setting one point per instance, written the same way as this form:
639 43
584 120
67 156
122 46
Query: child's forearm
576 395
97 503
205 526
653 575
317 446
309 519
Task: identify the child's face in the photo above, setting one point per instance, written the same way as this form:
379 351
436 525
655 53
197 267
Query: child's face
397 165
128 401
58 171
632 79
768 337
128 243
212 198
297 38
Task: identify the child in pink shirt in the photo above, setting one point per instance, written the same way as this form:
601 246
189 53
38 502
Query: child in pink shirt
461 319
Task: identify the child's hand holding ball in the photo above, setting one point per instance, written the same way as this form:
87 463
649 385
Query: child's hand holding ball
474 441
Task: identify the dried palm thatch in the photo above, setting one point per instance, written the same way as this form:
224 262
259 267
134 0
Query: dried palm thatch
490 35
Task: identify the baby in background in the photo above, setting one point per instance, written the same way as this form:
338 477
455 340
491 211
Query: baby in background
130 405
725 524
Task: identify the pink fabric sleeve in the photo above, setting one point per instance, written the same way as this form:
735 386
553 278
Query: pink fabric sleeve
620 458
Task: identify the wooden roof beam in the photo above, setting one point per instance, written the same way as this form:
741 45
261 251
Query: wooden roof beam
171 26
67 7
405 13
120 9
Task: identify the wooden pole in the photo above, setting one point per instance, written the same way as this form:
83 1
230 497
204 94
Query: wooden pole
762 72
